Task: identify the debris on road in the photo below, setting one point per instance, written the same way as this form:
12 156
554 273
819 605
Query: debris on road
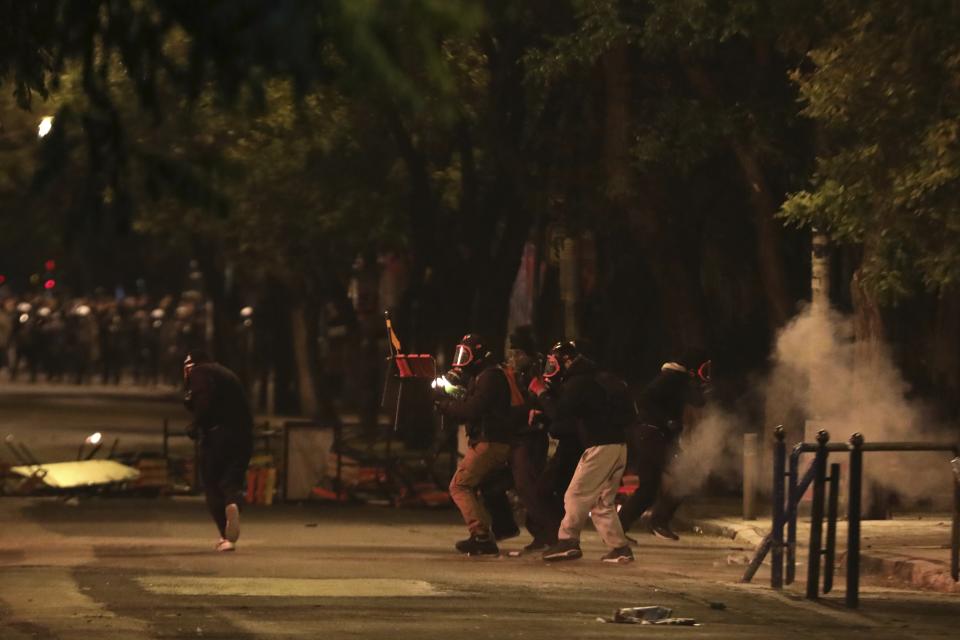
648 615
85 473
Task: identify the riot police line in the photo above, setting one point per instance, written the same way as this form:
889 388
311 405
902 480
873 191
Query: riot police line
103 339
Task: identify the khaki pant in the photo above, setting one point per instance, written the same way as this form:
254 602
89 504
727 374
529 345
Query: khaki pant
480 461
593 490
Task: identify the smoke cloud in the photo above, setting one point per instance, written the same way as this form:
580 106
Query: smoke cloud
844 386
709 446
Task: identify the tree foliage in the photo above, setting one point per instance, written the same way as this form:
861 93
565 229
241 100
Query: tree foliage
884 90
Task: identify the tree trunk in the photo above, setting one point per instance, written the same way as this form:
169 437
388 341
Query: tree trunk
945 352
764 205
306 383
422 206
501 228
675 285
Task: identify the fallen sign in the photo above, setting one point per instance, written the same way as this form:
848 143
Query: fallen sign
83 473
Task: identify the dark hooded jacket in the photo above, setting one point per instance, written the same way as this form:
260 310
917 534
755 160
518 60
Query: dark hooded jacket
485 408
586 403
215 396
661 402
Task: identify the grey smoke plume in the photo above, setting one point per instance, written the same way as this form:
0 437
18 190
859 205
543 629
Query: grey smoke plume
845 387
709 446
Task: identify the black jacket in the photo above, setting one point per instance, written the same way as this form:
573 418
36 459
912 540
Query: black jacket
583 405
661 402
215 396
485 408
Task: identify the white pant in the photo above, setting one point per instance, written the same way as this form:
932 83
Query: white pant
593 490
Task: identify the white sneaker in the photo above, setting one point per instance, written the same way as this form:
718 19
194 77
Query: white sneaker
226 545
232 532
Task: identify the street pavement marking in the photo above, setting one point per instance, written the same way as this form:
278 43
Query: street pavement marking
289 587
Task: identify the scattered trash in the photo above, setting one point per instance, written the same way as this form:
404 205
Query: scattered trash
635 615
648 615
738 558
698 530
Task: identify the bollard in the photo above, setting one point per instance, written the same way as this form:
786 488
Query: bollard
750 476
166 438
853 521
830 551
793 499
778 510
816 516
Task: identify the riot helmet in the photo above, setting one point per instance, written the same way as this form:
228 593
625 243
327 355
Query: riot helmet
558 359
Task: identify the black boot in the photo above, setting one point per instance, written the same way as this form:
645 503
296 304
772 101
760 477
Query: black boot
478 546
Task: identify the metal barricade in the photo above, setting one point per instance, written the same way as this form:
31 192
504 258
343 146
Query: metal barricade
822 554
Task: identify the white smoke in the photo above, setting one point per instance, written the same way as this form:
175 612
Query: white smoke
845 386
709 446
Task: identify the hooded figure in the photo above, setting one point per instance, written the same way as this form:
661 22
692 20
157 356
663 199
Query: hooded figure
224 426
654 439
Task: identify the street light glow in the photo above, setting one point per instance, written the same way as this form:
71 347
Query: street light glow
46 124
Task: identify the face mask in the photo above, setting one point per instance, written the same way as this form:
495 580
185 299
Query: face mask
462 356
703 372
552 368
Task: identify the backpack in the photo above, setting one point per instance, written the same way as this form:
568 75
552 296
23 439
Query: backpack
621 408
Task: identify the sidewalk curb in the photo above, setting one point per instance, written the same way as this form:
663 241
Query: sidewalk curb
920 574
745 534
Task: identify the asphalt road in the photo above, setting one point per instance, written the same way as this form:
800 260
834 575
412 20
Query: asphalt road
122 568
117 568
53 419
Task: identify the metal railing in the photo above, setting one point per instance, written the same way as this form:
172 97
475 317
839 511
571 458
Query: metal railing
786 502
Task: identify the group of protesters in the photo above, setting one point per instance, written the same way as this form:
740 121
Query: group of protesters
512 408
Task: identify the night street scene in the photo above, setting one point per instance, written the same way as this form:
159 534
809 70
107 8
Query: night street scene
427 319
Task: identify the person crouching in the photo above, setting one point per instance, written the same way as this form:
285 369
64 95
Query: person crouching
485 409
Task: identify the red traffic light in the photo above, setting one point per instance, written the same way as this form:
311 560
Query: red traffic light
3 278
50 284
50 265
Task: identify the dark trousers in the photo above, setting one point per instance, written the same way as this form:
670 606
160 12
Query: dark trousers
553 484
225 456
528 460
497 503
651 451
